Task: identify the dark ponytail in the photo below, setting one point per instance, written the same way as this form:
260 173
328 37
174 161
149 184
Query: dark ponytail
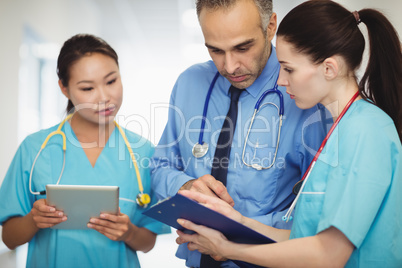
75 48
321 29
382 81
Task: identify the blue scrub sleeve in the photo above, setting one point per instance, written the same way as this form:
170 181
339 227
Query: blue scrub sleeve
15 198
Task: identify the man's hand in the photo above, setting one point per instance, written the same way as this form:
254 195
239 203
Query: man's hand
210 186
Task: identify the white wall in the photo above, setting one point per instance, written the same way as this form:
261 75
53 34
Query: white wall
54 21
10 25
391 8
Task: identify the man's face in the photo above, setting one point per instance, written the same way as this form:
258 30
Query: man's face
237 44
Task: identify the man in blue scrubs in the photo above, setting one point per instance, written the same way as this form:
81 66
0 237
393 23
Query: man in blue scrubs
238 36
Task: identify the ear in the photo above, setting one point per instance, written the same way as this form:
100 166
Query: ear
64 90
271 28
331 68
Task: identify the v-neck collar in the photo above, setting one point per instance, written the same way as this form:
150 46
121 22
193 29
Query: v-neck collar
73 140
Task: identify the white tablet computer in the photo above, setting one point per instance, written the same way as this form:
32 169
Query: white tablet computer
81 202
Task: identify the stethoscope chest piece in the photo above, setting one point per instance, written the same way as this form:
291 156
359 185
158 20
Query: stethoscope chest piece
143 200
199 150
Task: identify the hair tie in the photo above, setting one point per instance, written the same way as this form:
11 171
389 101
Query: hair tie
357 17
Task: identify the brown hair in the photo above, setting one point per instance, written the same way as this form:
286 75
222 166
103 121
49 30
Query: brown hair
321 29
75 48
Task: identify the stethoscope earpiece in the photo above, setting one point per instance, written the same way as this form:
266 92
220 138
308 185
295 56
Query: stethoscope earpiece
287 218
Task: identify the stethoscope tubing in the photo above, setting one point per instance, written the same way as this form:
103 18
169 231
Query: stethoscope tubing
256 108
306 175
273 90
143 199
56 132
329 134
32 168
204 113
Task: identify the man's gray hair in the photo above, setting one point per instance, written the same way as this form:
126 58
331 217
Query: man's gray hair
264 8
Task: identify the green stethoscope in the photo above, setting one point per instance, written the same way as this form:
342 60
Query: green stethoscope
143 199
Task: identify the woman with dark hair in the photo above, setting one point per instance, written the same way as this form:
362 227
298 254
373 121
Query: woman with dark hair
97 153
349 206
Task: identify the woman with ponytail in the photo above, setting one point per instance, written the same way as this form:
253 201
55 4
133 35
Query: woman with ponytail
349 204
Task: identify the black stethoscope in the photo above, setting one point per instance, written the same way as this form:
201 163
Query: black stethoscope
201 148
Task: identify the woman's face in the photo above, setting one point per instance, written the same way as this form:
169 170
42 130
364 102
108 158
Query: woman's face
95 88
304 81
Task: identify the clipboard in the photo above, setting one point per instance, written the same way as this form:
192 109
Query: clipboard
179 206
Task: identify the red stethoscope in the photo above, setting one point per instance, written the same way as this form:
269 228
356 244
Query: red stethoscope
298 188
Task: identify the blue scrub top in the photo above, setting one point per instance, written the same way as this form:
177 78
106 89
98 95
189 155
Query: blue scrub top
357 187
78 248
262 195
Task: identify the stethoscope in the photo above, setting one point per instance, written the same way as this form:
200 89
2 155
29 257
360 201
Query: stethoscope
298 187
143 199
201 147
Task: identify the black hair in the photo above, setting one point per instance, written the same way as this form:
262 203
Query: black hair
322 28
75 48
